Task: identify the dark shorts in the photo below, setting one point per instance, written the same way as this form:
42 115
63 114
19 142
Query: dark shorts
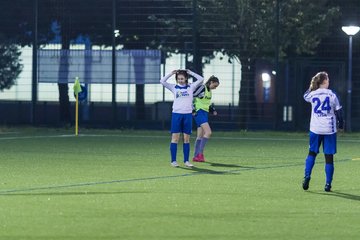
328 142
181 123
201 117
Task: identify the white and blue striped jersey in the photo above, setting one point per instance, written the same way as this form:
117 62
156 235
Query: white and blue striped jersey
183 94
324 103
200 91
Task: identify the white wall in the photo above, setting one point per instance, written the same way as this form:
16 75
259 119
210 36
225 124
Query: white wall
227 93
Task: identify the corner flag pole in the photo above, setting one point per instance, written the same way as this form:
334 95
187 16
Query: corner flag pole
77 115
77 90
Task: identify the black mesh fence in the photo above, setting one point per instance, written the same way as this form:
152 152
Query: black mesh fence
263 52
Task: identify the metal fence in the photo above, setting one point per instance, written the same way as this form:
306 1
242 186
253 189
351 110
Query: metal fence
122 94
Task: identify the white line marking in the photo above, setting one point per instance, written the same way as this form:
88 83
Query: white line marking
161 136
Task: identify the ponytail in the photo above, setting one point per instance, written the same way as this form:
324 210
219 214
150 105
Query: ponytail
317 80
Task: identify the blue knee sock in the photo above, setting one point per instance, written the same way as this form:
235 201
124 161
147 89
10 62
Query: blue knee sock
197 147
202 144
173 150
186 151
329 171
309 164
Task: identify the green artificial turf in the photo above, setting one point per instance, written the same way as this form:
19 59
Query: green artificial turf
120 185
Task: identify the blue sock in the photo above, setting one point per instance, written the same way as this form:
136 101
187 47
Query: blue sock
186 151
202 144
309 164
197 147
173 150
329 171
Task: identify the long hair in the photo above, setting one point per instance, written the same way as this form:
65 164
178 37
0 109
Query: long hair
317 80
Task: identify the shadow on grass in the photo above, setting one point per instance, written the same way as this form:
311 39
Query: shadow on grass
212 164
339 194
226 165
205 170
82 193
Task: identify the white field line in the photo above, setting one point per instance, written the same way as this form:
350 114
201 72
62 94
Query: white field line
161 136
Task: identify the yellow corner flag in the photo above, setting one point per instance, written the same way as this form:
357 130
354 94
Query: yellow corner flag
77 87
77 90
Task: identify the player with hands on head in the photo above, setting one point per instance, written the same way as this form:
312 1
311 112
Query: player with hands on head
202 107
181 118
326 118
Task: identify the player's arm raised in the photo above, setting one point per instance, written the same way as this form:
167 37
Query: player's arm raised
199 78
164 79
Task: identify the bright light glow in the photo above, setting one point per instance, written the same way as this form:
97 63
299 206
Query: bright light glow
265 77
351 30
273 72
266 80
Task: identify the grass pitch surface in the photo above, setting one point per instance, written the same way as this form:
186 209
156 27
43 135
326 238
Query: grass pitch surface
120 185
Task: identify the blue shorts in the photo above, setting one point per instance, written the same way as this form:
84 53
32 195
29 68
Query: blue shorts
328 142
181 123
201 117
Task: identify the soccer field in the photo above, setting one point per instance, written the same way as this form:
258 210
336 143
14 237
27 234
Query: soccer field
120 185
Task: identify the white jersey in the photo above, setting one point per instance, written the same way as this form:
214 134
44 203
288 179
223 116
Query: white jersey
324 103
183 94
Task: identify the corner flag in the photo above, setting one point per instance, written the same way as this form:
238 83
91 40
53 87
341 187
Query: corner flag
77 90
77 87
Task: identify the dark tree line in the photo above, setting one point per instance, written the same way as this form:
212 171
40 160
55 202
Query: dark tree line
245 30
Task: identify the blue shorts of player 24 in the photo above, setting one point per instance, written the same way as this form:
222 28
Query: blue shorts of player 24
328 142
